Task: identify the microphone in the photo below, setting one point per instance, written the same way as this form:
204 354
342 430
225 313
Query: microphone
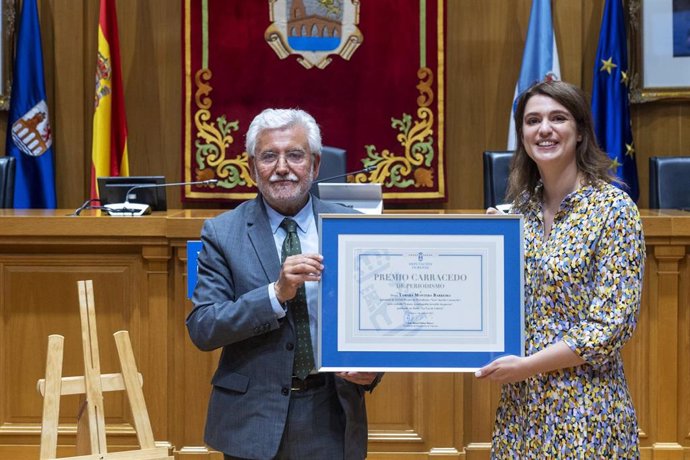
351 173
128 209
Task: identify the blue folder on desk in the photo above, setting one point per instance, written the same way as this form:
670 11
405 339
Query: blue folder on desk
193 250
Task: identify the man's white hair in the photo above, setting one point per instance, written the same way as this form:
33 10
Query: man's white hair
280 119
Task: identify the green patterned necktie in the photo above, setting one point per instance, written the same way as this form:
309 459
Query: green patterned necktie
304 355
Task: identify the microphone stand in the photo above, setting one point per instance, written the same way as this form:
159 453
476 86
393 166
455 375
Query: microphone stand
351 173
128 209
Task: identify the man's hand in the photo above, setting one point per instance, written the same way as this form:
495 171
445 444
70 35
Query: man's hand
295 271
360 378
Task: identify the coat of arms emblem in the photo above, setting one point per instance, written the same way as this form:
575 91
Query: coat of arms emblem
314 30
31 133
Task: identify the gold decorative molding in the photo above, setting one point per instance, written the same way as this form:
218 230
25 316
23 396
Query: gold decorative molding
412 167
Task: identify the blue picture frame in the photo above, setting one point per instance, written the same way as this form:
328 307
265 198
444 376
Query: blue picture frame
349 242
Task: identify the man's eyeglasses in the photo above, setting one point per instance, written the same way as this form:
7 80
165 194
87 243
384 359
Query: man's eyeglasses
294 157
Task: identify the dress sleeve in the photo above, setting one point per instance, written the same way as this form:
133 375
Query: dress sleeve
617 274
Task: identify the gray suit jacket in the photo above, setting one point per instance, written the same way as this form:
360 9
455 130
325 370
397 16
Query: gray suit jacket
250 395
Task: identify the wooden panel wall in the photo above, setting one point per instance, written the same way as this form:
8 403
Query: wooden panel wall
485 39
39 267
139 272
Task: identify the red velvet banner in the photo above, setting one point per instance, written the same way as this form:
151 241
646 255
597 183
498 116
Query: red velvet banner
370 72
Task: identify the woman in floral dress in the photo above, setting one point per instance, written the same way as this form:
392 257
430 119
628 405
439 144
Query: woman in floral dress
567 398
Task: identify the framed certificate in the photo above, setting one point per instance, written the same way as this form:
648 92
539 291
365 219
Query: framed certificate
418 292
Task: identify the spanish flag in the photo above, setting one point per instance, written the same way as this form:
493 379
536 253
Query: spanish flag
109 148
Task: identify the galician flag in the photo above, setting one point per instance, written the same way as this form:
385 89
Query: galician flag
539 59
109 148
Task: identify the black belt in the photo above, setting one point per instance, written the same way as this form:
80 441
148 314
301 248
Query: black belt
312 381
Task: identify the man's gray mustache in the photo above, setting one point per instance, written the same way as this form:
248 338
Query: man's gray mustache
291 178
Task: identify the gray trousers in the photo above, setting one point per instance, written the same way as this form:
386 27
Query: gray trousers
315 426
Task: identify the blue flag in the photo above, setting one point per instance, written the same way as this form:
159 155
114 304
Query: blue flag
610 97
539 59
29 138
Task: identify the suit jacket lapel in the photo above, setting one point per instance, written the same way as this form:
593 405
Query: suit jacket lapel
259 231
318 207
261 236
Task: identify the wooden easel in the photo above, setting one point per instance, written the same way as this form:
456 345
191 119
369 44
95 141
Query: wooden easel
91 421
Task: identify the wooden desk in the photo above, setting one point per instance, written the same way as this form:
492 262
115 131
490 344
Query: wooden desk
139 270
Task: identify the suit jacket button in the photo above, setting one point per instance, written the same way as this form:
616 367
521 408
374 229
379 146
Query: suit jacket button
285 391
289 346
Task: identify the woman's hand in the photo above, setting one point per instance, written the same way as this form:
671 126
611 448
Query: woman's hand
506 369
499 209
510 369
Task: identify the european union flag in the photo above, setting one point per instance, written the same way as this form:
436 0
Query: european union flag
29 138
610 97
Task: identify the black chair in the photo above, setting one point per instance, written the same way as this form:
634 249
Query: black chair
669 182
333 163
7 182
496 171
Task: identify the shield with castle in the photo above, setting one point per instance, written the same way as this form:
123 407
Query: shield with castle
314 30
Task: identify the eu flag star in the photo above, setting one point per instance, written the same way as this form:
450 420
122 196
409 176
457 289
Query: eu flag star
629 150
614 165
624 78
608 65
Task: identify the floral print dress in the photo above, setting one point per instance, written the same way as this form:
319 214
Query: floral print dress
583 287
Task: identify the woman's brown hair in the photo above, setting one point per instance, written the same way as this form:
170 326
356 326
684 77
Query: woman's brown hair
591 161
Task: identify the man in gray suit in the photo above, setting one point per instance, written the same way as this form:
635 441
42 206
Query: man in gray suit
267 400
